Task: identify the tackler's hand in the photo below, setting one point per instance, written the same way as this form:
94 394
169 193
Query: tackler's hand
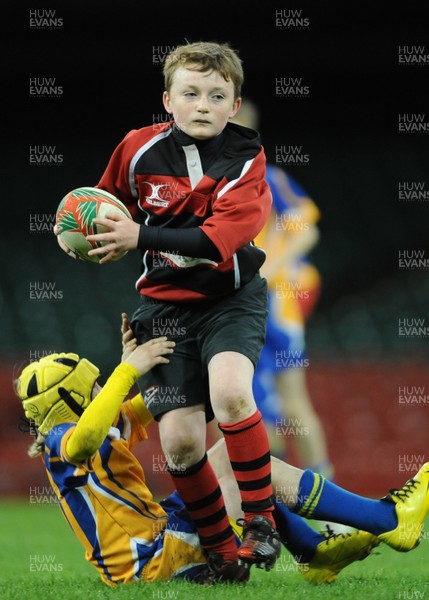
149 354
129 342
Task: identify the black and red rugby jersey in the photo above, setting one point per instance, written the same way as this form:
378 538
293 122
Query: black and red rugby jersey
168 179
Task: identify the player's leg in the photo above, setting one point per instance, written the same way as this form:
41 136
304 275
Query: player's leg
397 519
182 434
234 336
284 475
246 438
177 395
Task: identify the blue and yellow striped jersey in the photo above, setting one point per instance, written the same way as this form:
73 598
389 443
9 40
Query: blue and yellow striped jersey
293 214
111 510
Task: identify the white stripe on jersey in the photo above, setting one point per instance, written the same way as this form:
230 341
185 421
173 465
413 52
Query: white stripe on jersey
231 183
138 154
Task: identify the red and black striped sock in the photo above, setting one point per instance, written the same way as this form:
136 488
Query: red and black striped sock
200 491
249 452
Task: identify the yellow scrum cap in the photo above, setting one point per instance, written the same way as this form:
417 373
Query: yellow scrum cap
56 389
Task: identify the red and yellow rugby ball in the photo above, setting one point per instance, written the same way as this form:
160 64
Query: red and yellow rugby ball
75 215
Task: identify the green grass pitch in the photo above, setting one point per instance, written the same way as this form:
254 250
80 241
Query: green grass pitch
40 558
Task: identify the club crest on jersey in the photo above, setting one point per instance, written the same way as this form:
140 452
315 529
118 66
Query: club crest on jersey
150 394
155 199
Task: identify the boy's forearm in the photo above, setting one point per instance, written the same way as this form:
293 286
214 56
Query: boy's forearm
186 242
95 422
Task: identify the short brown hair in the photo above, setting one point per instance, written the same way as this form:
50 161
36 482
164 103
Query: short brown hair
206 56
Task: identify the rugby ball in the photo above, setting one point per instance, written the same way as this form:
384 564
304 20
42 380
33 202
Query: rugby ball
75 215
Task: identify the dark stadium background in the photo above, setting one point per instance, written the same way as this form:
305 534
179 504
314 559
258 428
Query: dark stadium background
103 58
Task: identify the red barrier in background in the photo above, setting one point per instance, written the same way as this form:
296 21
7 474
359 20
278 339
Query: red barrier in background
376 418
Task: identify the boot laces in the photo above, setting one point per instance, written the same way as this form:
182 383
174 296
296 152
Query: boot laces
405 491
330 534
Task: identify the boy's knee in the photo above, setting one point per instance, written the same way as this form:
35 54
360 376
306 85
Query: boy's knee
181 450
233 404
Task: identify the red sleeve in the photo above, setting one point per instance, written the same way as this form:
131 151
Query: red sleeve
116 178
240 209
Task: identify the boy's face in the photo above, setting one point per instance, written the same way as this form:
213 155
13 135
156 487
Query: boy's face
201 103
